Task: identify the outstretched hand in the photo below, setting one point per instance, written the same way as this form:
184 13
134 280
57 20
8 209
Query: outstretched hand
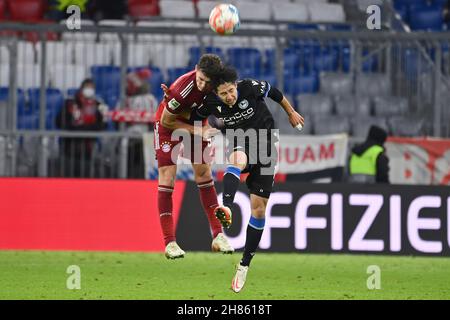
166 90
295 119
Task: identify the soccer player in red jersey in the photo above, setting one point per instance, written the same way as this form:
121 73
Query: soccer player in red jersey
176 112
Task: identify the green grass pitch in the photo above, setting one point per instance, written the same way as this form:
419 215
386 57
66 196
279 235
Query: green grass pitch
107 275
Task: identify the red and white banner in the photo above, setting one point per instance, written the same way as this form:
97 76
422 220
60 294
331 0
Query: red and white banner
419 160
297 154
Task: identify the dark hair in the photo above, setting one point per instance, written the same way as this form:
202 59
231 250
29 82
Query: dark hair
209 64
87 81
226 75
377 134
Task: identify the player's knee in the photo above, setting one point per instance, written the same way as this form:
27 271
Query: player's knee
238 159
259 209
202 173
166 176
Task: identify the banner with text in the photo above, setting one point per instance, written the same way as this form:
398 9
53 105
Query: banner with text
419 160
297 154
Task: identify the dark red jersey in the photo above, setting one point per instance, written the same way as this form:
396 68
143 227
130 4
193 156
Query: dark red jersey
183 99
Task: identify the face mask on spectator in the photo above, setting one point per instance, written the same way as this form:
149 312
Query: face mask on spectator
88 92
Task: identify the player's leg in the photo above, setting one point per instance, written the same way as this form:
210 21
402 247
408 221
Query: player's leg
237 162
255 230
167 170
208 198
166 182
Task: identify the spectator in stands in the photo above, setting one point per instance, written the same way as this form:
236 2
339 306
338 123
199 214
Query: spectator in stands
57 9
82 113
139 99
106 9
368 161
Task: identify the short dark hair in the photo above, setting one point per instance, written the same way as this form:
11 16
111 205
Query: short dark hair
226 75
209 64
87 81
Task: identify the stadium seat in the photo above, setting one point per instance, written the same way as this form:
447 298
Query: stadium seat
245 60
21 102
26 10
314 104
54 103
187 39
77 35
112 36
196 52
330 124
373 84
361 124
25 52
29 75
290 12
414 63
351 105
177 9
34 36
174 73
387 106
261 42
204 8
326 12
2 9
169 55
296 83
106 79
58 52
88 53
65 76
336 83
71 92
4 75
429 18
138 54
138 9
154 37
406 126
252 10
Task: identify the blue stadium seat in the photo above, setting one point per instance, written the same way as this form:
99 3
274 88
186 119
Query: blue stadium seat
106 78
428 18
71 92
246 60
25 118
54 103
369 62
174 73
196 52
296 83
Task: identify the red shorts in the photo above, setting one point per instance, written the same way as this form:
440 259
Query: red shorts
167 150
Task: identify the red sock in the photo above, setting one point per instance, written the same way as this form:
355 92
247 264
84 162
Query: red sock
165 212
208 197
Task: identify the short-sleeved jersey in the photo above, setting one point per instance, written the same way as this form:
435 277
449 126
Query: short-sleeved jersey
249 111
183 99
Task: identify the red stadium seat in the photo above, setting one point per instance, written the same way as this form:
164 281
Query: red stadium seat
26 10
143 8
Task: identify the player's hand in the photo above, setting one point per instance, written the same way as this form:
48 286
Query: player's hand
295 119
166 90
209 132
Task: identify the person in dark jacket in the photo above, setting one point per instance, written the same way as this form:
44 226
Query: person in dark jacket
82 113
368 161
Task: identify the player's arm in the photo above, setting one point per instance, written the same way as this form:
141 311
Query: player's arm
295 119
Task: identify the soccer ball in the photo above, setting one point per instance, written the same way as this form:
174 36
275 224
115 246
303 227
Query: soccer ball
224 19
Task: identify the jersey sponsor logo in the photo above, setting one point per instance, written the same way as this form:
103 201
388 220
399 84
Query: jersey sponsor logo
173 104
238 117
243 104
